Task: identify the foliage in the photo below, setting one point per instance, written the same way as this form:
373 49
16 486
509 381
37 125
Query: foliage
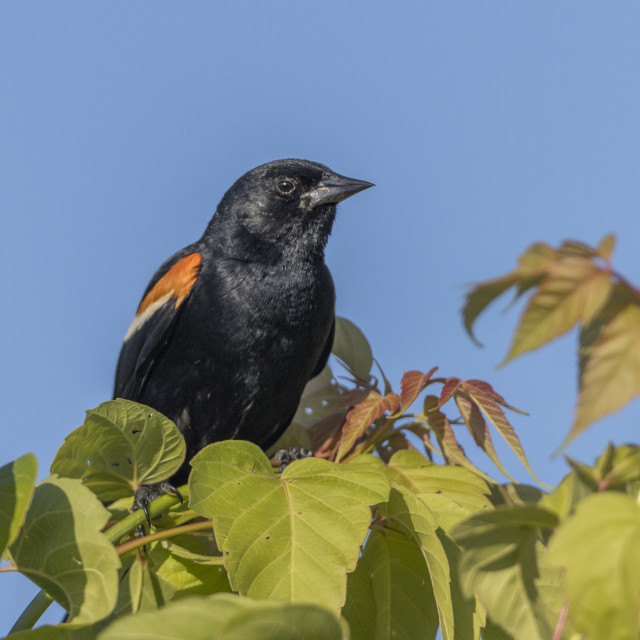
371 538
575 284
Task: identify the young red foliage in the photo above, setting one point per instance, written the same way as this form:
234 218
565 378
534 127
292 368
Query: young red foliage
363 415
412 383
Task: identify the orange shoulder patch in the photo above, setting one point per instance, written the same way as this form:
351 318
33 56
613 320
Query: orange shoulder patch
176 283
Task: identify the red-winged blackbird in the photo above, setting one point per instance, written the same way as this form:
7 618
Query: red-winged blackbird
232 327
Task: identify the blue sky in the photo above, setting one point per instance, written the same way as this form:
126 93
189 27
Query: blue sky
485 126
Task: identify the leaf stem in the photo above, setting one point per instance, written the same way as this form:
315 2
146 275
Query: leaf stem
11 567
135 519
32 613
162 535
562 621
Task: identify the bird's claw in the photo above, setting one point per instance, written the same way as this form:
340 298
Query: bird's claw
286 456
145 494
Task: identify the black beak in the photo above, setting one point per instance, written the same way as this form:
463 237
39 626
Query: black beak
336 188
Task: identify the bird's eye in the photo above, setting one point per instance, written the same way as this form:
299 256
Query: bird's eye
286 187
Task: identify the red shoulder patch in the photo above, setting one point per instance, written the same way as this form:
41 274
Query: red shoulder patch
176 283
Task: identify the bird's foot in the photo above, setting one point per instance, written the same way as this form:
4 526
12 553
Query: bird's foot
145 494
287 456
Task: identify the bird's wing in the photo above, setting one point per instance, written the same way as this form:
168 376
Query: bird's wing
156 316
326 352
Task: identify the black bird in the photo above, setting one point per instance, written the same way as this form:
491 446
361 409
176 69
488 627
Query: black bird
232 327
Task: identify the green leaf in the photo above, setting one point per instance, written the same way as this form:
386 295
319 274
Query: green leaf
405 606
406 510
450 492
611 376
360 609
606 246
189 577
61 548
600 549
141 589
294 537
351 346
563 499
57 632
498 566
574 289
228 617
17 481
532 266
120 446
481 296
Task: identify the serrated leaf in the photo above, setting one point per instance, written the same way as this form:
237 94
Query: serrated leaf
532 265
451 493
489 401
439 423
406 510
228 617
61 548
536 259
621 297
412 383
306 527
611 375
478 428
599 547
449 388
574 289
17 480
481 296
121 445
402 593
498 566
351 346
362 416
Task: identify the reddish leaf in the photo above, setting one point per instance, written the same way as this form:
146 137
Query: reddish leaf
326 433
363 415
449 388
483 396
449 446
412 383
480 386
478 428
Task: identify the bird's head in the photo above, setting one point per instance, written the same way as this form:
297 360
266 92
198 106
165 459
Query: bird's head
281 207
